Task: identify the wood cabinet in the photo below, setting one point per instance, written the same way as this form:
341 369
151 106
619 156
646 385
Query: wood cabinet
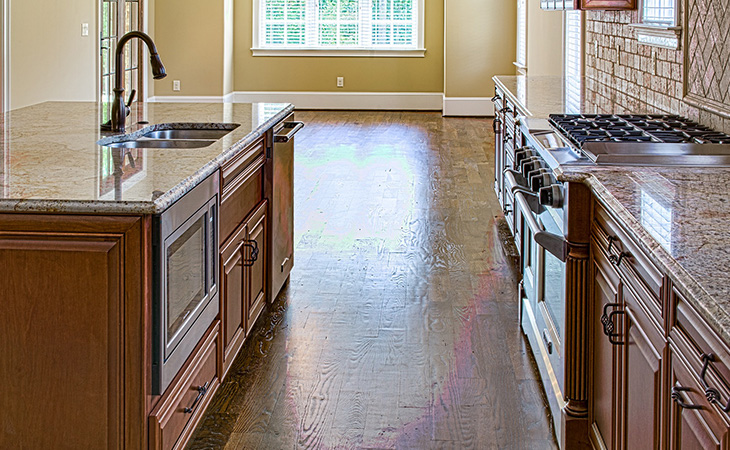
608 4
243 249
698 371
629 345
174 418
73 350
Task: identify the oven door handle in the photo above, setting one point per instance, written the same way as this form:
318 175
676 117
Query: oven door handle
551 242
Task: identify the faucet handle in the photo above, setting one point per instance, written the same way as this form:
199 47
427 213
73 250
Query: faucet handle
131 97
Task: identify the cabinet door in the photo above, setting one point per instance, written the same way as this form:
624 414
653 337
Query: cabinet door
234 282
606 354
693 423
72 299
642 381
256 239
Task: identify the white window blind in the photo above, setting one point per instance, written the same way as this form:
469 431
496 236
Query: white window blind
660 12
573 60
521 33
339 24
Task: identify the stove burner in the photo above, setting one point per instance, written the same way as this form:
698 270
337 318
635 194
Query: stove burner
580 128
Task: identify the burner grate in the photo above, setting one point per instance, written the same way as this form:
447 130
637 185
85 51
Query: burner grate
580 128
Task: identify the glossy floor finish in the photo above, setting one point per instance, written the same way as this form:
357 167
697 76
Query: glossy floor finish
398 328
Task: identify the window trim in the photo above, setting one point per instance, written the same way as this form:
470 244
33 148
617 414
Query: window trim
394 52
657 34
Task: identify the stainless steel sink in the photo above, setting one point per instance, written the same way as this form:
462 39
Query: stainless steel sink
187 134
162 143
175 135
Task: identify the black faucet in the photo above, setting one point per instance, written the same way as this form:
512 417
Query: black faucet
120 110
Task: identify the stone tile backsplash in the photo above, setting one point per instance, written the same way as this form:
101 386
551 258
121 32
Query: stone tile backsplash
619 69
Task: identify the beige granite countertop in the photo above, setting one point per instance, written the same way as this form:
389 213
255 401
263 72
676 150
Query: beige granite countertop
540 96
52 162
679 216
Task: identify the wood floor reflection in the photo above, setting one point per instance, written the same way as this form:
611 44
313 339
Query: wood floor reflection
398 328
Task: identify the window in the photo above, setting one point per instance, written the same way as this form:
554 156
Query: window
658 27
117 18
338 27
659 12
573 61
521 61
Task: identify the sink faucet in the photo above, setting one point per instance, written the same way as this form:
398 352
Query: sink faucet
120 110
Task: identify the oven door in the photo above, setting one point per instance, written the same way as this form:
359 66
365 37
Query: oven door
543 278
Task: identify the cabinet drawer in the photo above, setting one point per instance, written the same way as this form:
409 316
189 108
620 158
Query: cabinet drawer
634 266
173 420
231 169
693 338
241 195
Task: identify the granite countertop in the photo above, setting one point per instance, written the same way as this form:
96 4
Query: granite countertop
52 162
679 216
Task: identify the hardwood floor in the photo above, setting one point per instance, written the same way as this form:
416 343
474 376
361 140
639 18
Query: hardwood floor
398 328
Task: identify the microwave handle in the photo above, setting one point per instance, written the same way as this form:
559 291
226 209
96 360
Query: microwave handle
551 242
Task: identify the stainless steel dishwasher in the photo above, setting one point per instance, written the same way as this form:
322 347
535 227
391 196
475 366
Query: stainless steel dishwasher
282 203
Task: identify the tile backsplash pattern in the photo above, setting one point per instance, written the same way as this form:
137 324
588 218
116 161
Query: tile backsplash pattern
621 71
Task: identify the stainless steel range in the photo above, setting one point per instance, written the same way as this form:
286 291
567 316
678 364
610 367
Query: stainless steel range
551 225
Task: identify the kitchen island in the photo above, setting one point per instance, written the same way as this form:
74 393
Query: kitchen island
651 371
77 231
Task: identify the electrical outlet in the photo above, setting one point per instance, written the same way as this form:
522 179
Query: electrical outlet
340 81
175 85
84 29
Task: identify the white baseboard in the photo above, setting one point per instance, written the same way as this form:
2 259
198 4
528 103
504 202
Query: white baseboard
468 106
418 101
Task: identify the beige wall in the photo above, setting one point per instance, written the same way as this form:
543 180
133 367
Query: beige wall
190 35
49 59
320 73
479 43
544 40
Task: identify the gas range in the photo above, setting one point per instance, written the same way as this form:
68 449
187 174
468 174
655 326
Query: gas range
631 139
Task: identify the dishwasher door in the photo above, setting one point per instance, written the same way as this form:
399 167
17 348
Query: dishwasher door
282 204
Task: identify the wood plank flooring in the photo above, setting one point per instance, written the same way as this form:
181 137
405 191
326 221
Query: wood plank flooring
398 327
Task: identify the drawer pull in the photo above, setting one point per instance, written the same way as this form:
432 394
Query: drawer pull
677 397
611 240
712 394
201 393
616 259
609 327
548 341
254 246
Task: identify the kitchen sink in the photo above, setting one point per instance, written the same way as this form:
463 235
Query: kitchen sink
162 143
174 135
187 134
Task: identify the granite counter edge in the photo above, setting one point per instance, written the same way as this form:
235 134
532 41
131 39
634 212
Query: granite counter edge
156 206
716 316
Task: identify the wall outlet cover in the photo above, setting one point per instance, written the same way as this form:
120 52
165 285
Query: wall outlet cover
175 85
340 81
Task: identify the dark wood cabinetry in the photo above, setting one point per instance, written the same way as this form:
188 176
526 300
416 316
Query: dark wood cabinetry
608 4
629 345
72 342
243 246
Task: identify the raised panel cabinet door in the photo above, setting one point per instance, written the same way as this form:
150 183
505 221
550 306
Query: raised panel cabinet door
605 356
71 312
641 405
608 4
233 295
256 226
693 424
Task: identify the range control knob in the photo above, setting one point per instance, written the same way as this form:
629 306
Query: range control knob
529 165
523 153
551 196
540 179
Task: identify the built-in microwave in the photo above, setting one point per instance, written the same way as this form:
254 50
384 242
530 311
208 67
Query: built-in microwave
185 279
